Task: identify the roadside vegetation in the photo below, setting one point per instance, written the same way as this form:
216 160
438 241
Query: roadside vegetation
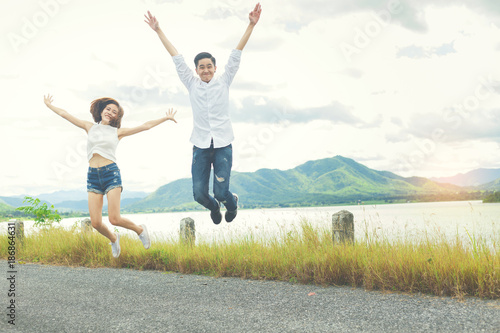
431 265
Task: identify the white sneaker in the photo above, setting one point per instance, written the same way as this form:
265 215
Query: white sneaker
115 247
144 237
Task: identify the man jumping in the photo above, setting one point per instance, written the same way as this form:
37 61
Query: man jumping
212 130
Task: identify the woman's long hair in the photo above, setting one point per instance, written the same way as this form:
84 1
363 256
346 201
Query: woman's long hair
98 105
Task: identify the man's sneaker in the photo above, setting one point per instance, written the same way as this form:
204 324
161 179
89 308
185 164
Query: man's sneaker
231 214
215 214
144 237
115 247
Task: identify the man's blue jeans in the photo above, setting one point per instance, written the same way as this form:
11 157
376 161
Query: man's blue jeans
222 160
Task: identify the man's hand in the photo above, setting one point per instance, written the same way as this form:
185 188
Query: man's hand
255 14
254 17
152 21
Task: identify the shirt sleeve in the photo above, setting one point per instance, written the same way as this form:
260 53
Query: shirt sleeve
185 73
232 67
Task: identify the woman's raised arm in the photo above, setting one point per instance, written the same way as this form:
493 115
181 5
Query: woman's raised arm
86 125
122 132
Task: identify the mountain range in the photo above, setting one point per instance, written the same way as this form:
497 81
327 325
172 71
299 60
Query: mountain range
336 180
72 200
475 177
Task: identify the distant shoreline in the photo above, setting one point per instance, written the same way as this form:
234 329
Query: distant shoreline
374 203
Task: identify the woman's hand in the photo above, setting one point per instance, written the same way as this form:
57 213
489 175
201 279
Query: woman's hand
171 115
47 100
152 21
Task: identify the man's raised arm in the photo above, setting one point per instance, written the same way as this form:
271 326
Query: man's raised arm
254 18
153 23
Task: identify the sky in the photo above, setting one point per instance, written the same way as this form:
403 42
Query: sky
411 87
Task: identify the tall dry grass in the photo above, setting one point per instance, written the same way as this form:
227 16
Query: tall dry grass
430 265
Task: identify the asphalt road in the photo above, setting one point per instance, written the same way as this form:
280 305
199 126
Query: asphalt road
65 299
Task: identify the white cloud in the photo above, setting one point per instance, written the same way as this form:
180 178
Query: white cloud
374 105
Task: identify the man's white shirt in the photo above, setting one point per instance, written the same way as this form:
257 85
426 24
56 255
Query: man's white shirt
210 102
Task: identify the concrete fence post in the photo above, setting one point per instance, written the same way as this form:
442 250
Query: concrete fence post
343 227
19 227
187 230
86 225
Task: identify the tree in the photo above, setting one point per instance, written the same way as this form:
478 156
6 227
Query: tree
44 216
494 197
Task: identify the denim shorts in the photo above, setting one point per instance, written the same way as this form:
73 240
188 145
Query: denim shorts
104 179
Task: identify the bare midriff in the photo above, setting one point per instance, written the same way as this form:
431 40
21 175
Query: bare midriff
97 161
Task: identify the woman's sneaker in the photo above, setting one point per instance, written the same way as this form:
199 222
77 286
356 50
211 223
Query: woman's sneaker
144 237
115 247
215 214
231 214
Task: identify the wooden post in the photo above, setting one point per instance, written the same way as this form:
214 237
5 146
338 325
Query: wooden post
187 230
343 227
86 225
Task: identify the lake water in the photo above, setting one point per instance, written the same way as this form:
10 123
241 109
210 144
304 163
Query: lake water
408 221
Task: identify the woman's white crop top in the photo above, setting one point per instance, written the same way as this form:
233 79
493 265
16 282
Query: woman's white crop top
102 140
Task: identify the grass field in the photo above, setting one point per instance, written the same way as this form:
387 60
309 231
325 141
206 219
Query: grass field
431 265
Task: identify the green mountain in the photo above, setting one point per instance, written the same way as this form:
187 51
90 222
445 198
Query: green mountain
5 207
336 180
491 186
16 201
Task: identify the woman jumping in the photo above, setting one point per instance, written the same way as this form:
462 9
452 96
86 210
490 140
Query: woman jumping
103 177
